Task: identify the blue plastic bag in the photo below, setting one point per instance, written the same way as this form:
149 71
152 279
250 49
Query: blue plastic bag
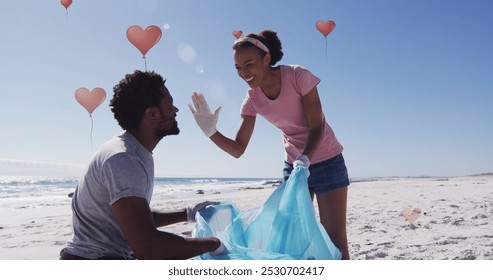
284 228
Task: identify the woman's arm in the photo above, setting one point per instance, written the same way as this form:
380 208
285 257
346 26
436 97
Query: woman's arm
236 147
207 121
314 115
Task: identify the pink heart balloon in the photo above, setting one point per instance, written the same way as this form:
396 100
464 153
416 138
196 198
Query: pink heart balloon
411 215
237 33
325 27
144 40
90 100
66 3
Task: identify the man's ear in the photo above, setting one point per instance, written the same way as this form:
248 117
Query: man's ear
150 113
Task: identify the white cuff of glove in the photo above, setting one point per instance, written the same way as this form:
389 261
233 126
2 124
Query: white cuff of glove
190 215
304 161
207 124
192 212
221 250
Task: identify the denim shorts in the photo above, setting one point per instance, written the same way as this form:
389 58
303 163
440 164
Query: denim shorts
325 176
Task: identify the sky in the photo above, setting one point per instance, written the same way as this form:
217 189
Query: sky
406 86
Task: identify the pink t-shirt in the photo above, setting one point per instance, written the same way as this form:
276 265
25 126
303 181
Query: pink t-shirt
286 113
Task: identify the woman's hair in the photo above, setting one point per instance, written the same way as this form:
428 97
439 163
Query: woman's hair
133 95
269 39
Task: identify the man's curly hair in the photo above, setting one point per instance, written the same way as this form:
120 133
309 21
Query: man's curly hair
133 95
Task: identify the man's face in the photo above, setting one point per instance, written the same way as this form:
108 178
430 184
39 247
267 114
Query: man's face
167 124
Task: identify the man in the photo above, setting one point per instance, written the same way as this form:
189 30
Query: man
111 214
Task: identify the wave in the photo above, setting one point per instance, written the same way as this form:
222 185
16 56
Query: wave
39 181
205 180
36 186
33 186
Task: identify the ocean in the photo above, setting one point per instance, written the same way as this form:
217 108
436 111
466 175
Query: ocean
34 191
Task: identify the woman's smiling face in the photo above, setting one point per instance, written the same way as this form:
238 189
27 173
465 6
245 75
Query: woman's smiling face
251 64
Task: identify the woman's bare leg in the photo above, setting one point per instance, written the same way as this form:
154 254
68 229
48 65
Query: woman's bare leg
332 208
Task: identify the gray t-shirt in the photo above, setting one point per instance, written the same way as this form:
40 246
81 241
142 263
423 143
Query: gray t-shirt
121 168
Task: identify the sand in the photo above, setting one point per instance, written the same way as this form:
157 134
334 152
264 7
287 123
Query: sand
392 219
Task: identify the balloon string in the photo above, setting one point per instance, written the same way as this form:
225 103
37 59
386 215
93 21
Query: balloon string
66 15
92 126
145 62
325 49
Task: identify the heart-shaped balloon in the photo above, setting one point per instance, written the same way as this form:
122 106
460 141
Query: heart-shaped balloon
411 215
142 39
237 33
66 3
325 27
90 100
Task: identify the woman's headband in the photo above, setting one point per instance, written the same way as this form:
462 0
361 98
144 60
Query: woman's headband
254 41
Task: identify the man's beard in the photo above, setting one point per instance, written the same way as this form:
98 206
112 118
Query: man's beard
174 130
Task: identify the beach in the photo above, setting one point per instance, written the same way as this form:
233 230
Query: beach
453 220
447 218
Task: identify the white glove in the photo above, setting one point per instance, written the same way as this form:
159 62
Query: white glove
303 161
221 250
191 212
206 120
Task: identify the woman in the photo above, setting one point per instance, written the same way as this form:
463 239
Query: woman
287 97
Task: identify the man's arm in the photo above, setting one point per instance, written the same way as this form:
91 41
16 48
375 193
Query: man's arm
169 218
137 223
